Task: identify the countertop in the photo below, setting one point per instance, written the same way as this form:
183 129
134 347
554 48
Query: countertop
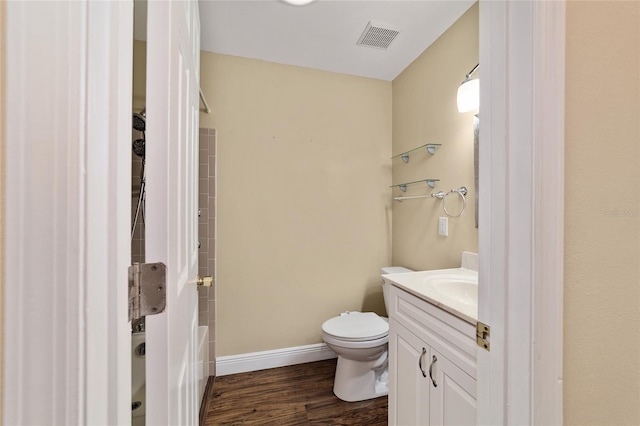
464 304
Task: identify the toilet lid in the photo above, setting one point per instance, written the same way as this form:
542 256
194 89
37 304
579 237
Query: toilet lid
356 326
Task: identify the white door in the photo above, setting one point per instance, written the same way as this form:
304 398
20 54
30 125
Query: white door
173 63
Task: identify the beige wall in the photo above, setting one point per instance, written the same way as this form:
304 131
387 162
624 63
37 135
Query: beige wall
602 220
303 199
424 110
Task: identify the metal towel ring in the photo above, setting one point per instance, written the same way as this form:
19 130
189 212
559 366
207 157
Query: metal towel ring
462 191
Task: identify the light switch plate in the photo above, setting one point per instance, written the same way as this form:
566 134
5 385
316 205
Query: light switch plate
443 226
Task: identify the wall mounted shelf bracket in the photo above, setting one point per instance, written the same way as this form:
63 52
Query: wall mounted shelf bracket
403 186
430 147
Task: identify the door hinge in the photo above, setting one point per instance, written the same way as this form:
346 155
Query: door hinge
483 335
147 289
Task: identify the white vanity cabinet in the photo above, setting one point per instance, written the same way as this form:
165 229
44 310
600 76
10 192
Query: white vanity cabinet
432 364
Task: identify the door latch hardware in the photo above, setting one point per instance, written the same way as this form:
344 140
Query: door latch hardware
147 289
483 335
205 281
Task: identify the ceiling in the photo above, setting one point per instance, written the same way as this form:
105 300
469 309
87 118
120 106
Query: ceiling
323 35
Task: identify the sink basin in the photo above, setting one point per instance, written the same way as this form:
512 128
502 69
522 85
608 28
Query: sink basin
457 289
454 290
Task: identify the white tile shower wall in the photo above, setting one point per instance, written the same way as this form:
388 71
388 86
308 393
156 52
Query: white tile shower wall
207 236
206 229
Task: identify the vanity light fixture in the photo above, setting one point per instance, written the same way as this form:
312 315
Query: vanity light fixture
469 93
298 2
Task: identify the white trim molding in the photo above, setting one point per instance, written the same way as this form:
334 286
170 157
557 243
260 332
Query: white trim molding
68 158
521 211
548 215
107 216
44 292
255 361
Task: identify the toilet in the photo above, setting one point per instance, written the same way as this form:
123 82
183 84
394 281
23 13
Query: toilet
360 339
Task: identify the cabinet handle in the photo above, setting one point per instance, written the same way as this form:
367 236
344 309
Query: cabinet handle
424 351
435 385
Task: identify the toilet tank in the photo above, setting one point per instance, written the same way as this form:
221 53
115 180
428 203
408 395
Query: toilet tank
385 285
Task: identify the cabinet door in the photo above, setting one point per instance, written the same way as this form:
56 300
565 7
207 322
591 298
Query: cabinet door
408 388
452 399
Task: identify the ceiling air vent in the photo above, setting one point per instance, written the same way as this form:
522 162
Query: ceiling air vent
377 36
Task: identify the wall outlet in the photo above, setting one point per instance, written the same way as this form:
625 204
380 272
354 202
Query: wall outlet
443 226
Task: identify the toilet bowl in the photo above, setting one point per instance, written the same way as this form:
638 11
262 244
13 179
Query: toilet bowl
360 339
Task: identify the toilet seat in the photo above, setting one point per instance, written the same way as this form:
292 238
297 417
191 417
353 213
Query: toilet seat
356 327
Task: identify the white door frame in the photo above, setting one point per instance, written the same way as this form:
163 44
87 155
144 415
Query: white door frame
67 140
521 211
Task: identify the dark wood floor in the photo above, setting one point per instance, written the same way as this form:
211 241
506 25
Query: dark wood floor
289 396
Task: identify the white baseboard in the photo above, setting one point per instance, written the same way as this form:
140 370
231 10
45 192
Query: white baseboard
254 361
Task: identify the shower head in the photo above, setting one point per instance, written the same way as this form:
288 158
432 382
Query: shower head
139 121
138 147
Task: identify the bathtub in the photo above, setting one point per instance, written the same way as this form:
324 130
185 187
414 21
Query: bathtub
138 388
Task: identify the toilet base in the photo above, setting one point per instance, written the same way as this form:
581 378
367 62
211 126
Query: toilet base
359 381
